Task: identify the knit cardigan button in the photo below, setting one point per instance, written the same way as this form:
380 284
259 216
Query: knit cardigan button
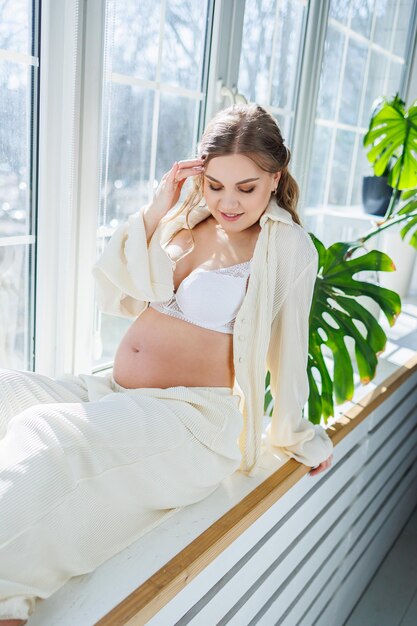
240 359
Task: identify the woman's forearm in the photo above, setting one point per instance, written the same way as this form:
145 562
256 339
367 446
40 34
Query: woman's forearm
151 219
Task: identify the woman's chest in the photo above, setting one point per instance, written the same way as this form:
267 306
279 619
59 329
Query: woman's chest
212 259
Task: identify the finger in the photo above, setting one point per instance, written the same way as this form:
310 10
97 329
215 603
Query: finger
173 171
190 162
189 171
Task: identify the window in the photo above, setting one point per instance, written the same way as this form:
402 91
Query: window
19 67
272 38
364 57
127 88
155 83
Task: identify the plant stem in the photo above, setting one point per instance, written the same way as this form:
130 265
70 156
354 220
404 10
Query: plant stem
386 224
395 196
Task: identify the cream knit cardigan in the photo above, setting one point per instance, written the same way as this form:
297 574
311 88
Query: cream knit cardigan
271 328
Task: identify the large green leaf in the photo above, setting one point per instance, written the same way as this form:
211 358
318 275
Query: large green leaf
392 136
408 207
336 314
334 311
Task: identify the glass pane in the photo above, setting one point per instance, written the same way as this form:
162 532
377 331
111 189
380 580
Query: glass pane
339 10
183 47
361 19
108 338
384 20
16 25
330 70
403 24
283 122
126 173
319 165
15 308
374 85
14 153
341 167
394 78
255 57
286 55
353 82
175 132
134 36
18 144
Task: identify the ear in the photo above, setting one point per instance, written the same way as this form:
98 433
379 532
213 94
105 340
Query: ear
276 178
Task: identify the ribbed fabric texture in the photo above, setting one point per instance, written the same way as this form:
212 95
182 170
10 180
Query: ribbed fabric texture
86 469
270 330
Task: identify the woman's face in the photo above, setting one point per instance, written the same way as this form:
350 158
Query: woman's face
235 184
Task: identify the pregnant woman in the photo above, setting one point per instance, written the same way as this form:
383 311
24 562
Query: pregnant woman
219 292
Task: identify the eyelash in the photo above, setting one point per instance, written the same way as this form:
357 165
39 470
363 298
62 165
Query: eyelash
242 190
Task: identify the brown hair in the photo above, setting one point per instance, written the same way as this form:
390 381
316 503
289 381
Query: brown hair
250 130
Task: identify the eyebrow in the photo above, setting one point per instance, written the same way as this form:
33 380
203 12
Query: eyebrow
247 180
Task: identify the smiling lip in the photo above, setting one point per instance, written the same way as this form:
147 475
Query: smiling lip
231 219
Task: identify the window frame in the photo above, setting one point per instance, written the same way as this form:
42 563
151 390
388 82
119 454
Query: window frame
65 185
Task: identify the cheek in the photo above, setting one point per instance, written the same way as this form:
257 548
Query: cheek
259 197
210 201
209 194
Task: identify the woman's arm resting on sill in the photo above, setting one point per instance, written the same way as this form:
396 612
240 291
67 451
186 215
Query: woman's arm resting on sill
322 467
287 358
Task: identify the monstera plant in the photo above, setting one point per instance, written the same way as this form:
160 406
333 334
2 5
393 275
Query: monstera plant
335 310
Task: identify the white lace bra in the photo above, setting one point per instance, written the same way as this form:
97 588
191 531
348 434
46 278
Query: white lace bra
209 298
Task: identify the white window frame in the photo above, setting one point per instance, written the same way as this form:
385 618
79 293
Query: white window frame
56 215
70 100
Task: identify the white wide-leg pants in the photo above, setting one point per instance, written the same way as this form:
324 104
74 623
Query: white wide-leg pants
87 467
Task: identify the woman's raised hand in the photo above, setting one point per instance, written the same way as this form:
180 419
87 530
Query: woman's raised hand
169 189
168 192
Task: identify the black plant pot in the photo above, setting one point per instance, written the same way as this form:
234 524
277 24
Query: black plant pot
376 194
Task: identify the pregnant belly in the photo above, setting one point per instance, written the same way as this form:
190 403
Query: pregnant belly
162 351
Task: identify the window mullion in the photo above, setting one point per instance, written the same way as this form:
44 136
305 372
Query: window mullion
408 85
225 51
306 100
358 136
88 185
56 206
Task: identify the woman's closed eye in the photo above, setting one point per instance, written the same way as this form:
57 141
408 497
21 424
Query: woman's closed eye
242 190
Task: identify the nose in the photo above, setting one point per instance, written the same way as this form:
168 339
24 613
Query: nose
228 204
